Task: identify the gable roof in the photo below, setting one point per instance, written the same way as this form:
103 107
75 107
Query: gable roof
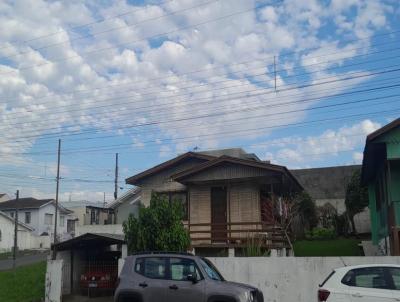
383 130
28 203
12 220
134 179
227 159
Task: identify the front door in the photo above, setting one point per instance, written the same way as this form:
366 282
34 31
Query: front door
218 214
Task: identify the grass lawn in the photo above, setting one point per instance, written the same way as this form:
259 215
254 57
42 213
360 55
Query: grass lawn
26 285
336 247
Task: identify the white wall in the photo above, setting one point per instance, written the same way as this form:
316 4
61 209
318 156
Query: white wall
288 279
99 228
37 220
53 281
26 238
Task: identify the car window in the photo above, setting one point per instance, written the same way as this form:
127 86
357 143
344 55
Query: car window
211 270
395 273
370 277
151 267
180 268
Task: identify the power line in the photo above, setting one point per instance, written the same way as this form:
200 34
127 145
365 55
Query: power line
107 30
362 75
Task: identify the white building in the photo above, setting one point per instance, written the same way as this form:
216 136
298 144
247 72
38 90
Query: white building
4 197
126 204
39 214
26 238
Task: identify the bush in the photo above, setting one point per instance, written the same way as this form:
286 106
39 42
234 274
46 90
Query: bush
321 234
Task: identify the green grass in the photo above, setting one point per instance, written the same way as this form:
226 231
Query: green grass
9 255
25 285
327 248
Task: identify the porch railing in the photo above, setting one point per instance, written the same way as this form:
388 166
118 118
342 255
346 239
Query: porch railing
236 234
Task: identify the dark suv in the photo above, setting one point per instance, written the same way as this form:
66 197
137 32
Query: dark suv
171 277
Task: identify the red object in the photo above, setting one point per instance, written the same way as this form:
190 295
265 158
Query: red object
323 295
99 279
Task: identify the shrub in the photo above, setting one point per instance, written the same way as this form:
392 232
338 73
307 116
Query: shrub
321 234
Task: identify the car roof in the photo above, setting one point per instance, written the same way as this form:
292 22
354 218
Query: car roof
161 254
346 268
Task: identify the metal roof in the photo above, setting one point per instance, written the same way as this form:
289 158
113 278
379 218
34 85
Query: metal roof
93 240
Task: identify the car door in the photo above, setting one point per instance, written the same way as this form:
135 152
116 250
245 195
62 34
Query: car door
179 288
152 273
394 273
369 284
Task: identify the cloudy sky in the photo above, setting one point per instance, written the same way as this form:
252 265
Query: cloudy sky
298 82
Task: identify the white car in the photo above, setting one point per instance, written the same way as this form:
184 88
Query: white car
362 283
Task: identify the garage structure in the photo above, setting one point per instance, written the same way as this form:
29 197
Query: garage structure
90 263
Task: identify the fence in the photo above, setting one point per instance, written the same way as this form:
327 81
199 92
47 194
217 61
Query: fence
289 279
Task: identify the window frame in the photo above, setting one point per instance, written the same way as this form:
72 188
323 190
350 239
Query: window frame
48 215
28 214
386 275
62 219
200 276
169 196
142 273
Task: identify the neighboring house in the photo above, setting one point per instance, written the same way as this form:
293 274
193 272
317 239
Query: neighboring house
128 203
39 215
227 195
328 185
25 240
4 197
381 173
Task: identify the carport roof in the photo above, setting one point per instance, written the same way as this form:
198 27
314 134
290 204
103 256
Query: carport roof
90 240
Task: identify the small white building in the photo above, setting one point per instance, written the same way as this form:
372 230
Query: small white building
26 238
4 197
39 214
126 204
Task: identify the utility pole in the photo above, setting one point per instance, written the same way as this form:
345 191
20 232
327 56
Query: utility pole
57 189
116 177
15 250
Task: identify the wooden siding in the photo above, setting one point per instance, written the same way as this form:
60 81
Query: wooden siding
161 182
228 171
244 201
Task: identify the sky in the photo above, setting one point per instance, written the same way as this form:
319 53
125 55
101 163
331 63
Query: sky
298 82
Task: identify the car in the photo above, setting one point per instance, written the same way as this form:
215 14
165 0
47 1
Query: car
363 283
178 277
104 278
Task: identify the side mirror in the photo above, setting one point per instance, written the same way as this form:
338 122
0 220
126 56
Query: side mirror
192 278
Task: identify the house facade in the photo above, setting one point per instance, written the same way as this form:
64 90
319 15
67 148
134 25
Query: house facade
228 195
7 231
39 214
125 205
381 173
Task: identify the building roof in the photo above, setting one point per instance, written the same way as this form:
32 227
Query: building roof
12 220
134 179
383 130
90 240
375 151
227 159
133 193
327 182
27 203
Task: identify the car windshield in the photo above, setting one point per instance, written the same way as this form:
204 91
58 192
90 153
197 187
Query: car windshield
211 270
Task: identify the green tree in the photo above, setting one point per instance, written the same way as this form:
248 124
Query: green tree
356 198
158 227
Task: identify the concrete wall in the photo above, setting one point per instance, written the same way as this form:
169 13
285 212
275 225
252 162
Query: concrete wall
53 281
289 279
97 228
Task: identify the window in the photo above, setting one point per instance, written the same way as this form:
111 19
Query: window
180 197
48 219
180 269
153 268
370 277
62 220
395 273
211 270
27 217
